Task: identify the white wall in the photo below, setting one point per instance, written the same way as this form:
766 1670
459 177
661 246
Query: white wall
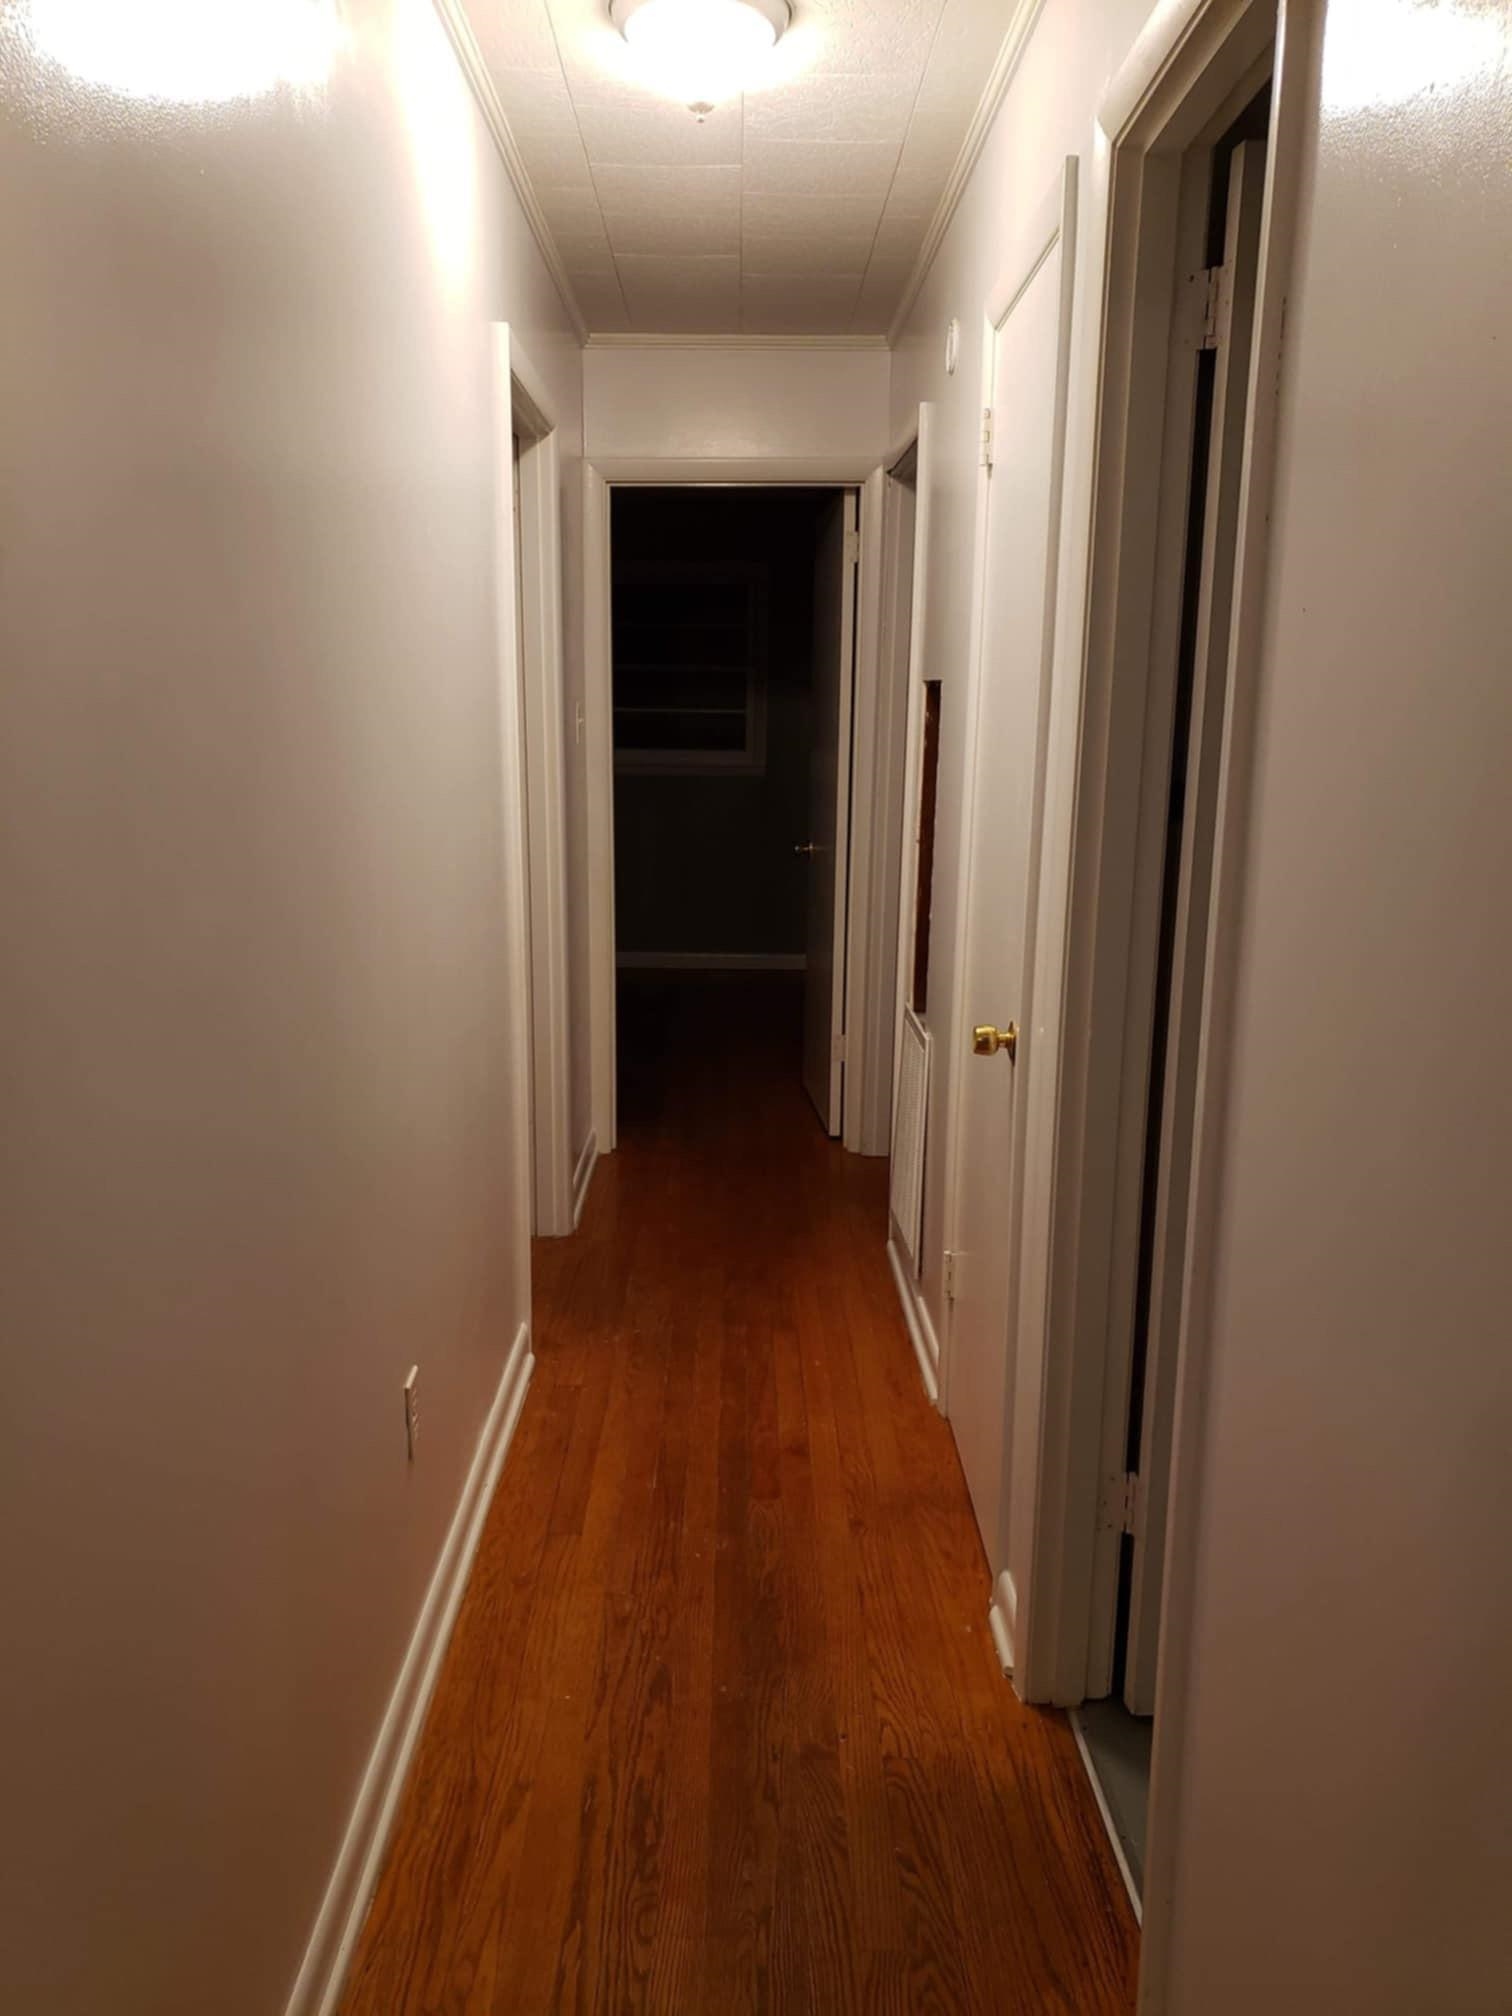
254 1009
1345 1836
1346 1830
702 401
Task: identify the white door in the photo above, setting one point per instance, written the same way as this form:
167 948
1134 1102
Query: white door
1194 815
1025 368
828 843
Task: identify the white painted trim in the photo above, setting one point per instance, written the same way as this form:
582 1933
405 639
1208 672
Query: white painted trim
1298 36
829 1075
598 776
913 744
883 793
1094 771
1110 1826
916 1316
533 407
599 474
745 472
541 685
1002 1618
582 1177
514 832
317 1989
867 845
632 340
711 962
454 20
999 77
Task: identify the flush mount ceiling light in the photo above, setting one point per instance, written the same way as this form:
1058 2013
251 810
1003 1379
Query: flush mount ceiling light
700 51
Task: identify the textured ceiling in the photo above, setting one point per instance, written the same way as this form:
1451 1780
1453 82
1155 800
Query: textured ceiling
797 209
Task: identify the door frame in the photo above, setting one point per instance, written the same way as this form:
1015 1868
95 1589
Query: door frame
920 442
1185 77
519 979
885 753
533 421
601 474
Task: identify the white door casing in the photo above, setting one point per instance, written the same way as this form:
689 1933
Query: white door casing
829 809
527 429
1026 358
596 729
878 731
913 731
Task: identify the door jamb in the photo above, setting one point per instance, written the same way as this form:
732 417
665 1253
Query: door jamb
874 1009
868 1023
540 678
600 474
514 823
921 440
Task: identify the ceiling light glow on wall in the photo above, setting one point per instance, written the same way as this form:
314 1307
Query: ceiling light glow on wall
700 51
189 52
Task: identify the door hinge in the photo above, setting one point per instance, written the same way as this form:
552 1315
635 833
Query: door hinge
852 549
1217 298
987 439
1119 1512
837 1049
952 1275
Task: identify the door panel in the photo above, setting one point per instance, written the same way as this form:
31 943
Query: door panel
829 809
1026 365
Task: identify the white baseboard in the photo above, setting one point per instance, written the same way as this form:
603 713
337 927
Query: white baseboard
711 962
582 1176
349 1892
1002 1618
920 1329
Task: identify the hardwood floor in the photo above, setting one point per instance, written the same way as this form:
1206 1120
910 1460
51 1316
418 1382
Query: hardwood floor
721 1728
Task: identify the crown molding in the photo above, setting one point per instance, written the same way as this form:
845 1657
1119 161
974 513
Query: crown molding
475 69
1011 50
630 339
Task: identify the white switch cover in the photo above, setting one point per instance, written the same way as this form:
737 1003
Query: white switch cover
412 1410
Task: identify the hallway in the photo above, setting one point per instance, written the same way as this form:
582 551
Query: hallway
721 1726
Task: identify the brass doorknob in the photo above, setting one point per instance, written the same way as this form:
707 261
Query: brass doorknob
987 1041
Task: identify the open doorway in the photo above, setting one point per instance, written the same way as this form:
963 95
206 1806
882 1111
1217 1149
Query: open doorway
732 634
1219 218
529 580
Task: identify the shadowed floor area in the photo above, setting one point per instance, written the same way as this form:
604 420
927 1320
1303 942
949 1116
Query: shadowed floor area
721 1728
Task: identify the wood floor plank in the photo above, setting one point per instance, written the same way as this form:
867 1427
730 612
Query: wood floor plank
721 1728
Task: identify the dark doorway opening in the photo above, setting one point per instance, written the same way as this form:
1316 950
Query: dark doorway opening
713 614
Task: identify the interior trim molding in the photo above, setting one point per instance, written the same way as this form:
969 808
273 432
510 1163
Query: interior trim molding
1002 1618
999 77
322 1973
629 339
826 472
475 69
920 1329
582 1176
